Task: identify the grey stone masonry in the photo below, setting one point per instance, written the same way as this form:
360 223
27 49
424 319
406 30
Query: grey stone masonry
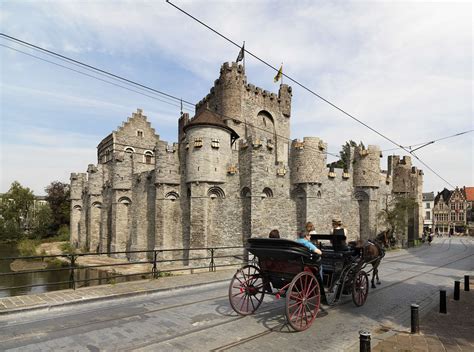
234 173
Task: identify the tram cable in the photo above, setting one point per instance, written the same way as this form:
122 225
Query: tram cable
308 90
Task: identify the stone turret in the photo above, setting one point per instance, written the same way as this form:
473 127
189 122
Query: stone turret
308 160
78 182
366 166
94 179
167 163
208 148
284 96
122 171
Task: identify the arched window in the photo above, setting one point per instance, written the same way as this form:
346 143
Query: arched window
299 192
130 150
172 196
318 195
148 156
97 205
77 207
267 193
245 193
125 201
215 192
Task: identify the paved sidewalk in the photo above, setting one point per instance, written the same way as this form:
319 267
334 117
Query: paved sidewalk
453 331
48 300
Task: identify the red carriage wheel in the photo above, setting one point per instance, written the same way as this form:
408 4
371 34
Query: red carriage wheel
246 290
360 288
302 301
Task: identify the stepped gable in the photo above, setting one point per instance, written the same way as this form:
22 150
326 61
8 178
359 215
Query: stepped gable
136 115
208 118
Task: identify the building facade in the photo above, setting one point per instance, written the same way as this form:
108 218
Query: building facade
233 174
449 211
428 204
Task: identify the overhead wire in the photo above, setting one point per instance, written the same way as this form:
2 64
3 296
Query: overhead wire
307 89
431 141
88 75
92 68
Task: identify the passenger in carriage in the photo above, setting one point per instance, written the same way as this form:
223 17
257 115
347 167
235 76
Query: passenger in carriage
274 234
305 238
339 242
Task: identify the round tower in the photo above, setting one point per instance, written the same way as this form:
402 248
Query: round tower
308 160
208 148
366 166
229 90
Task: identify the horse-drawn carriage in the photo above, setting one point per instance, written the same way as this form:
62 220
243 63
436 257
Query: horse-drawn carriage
287 269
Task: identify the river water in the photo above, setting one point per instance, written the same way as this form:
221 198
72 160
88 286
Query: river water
42 279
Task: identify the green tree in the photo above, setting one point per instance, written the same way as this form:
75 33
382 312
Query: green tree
396 213
15 211
42 222
58 198
345 155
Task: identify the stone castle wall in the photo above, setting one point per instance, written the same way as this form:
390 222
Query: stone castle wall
214 188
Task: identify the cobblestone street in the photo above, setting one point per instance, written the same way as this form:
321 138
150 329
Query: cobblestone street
196 317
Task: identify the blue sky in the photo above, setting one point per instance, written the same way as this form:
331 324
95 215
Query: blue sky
404 68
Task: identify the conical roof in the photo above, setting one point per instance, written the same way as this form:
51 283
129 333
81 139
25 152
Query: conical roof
208 118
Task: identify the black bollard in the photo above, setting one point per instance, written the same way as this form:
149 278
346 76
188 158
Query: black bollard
364 338
457 288
466 282
415 322
442 302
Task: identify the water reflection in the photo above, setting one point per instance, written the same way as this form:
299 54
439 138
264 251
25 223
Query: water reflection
46 281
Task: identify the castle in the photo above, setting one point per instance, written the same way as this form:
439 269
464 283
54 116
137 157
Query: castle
233 174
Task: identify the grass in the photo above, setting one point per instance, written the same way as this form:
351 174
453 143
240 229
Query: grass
67 248
27 247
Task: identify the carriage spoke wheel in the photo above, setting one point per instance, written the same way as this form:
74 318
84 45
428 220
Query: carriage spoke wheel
360 288
246 290
302 301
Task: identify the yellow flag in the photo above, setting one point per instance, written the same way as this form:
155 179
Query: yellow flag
278 75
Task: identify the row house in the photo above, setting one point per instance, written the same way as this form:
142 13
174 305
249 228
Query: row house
428 204
469 194
449 211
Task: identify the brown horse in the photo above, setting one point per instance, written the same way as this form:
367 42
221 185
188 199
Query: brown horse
371 252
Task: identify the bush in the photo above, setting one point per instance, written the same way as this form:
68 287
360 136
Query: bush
63 233
27 247
66 248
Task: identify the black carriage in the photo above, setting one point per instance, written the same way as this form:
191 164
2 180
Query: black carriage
343 270
287 269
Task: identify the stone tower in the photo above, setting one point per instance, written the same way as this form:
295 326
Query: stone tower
366 176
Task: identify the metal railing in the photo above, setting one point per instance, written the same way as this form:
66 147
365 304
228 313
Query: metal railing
215 257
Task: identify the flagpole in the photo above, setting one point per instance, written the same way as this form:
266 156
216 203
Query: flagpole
244 56
282 73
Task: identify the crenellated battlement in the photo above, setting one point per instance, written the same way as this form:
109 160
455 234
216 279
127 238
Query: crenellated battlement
366 166
233 174
308 160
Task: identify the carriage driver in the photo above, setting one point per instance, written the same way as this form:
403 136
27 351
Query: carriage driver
340 233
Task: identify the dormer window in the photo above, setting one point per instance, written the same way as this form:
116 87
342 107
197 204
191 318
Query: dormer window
140 133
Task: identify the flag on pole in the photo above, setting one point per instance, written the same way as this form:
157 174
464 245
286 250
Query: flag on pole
240 57
279 74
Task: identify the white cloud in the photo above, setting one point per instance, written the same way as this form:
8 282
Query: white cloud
404 68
